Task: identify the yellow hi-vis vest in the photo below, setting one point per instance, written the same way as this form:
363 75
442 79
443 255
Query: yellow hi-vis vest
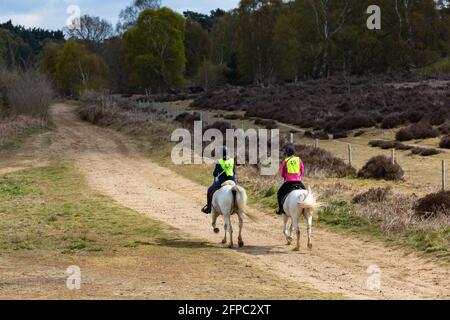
293 165
227 166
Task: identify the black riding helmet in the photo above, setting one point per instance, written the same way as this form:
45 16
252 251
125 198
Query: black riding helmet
289 150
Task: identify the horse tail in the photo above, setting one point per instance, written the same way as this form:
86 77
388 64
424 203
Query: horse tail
310 202
240 198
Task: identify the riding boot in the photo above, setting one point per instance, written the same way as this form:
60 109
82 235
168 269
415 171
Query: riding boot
207 208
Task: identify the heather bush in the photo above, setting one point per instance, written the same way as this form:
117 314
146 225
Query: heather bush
417 131
352 122
318 161
433 205
425 152
381 167
392 121
445 142
373 195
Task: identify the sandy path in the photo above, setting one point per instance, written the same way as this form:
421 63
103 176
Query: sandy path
337 263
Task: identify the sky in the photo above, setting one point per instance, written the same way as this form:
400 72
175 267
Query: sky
53 14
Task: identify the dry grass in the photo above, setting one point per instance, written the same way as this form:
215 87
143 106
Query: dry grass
11 128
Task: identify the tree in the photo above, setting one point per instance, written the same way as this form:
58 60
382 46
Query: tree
16 53
154 49
90 29
294 42
49 59
129 16
224 38
78 69
206 21
330 17
256 58
113 54
210 75
197 46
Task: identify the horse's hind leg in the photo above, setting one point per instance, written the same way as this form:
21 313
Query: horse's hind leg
296 230
309 219
214 220
228 228
287 234
241 224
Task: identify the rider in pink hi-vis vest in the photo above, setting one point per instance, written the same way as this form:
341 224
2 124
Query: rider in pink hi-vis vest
292 172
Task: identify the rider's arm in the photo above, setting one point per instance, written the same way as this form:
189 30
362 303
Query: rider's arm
217 170
302 168
283 170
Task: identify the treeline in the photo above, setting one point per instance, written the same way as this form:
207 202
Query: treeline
260 42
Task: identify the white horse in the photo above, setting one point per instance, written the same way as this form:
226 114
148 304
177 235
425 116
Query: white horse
229 199
299 202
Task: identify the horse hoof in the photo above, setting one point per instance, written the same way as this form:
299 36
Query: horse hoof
224 241
230 246
296 249
241 244
216 230
310 246
288 243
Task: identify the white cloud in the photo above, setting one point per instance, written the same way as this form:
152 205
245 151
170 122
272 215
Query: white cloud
27 20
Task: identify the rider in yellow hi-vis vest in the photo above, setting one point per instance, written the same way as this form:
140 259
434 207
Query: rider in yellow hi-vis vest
292 173
225 170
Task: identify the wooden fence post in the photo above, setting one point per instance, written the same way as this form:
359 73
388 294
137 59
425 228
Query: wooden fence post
316 143
443 176
393 156
291 138
350 156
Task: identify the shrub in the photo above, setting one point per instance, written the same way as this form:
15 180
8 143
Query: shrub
413 116
340 135
234 117
221 126
187 119
417 131
392 121
381 167
352 122
438 118
268 124
445 142
373 195
445 128
383 144
26 92
433 205
317 160
425 152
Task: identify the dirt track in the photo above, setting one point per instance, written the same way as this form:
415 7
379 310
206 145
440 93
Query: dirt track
337 263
